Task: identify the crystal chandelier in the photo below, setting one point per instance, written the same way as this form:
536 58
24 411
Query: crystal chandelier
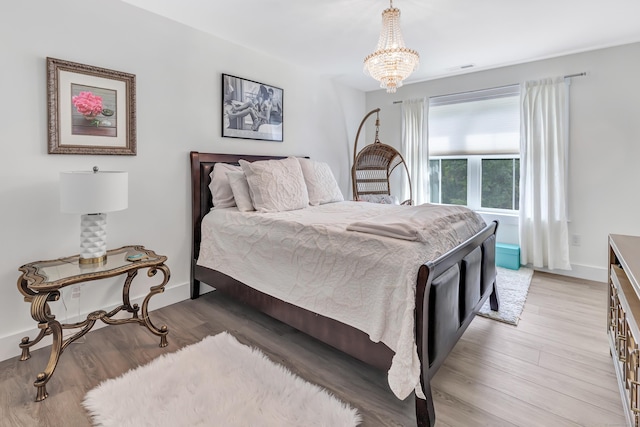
392 62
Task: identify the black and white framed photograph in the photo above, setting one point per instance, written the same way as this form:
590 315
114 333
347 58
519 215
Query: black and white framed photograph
251 110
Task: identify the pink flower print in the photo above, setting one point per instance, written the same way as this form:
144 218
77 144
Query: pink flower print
87 103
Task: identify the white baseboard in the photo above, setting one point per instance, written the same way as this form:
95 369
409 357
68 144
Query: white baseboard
587 272
9 343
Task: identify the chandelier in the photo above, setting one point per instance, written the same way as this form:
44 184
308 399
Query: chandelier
392 62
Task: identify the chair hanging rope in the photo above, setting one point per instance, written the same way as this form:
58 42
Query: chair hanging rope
373 165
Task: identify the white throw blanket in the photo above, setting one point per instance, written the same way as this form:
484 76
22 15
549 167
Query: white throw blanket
307 258
417 223
396 230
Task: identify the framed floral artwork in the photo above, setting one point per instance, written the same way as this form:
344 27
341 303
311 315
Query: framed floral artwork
90 110
251 110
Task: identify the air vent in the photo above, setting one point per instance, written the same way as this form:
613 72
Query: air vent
460 67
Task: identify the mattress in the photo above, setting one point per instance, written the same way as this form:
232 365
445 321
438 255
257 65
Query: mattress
310 258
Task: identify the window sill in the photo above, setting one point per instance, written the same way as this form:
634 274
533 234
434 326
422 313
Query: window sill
502 218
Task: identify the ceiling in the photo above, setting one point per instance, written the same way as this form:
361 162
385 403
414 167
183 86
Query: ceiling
333 36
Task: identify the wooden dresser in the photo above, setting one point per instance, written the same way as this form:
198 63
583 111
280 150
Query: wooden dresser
622 318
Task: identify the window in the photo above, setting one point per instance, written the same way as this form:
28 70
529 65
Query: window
500 183
474 149
448 181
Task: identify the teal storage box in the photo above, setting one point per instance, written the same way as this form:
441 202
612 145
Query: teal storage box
508 256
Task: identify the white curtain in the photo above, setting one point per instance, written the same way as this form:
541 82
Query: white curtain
544 143
415 149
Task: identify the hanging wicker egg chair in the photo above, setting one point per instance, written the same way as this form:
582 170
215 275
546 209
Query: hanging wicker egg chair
373 165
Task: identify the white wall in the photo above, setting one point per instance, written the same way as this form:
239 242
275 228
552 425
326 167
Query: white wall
178 110
604 147
178 72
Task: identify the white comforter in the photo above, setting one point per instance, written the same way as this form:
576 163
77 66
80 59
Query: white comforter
308 258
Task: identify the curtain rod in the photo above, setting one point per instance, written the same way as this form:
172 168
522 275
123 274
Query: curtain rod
568 76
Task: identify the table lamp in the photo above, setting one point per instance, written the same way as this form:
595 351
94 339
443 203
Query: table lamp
92 194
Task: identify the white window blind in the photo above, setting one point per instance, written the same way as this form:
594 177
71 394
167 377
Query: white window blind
471 123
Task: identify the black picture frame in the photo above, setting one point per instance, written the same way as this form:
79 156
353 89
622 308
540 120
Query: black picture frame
251 110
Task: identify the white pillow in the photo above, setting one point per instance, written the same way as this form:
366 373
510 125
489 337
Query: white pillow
379 198
276 185
321 184
221 193
240 188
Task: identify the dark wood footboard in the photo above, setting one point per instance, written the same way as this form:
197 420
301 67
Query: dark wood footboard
449 292
452 290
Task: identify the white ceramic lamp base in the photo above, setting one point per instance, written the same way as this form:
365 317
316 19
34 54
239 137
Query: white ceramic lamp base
93 238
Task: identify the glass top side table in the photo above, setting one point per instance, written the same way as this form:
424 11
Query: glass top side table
40 284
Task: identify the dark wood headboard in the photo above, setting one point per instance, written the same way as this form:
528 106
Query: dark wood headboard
201 167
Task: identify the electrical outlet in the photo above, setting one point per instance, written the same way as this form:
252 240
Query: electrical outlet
75 292
576 240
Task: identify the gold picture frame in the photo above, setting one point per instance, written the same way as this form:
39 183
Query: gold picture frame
91 110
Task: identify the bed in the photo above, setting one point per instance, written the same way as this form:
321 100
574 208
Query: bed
446 291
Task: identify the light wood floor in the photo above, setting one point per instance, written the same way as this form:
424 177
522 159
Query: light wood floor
553 369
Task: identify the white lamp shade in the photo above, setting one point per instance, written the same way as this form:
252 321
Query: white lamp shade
88 192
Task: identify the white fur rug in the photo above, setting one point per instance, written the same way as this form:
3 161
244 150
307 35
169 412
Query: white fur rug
513 287
216 382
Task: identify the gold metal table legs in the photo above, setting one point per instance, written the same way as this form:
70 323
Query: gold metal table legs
48 325
46 321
